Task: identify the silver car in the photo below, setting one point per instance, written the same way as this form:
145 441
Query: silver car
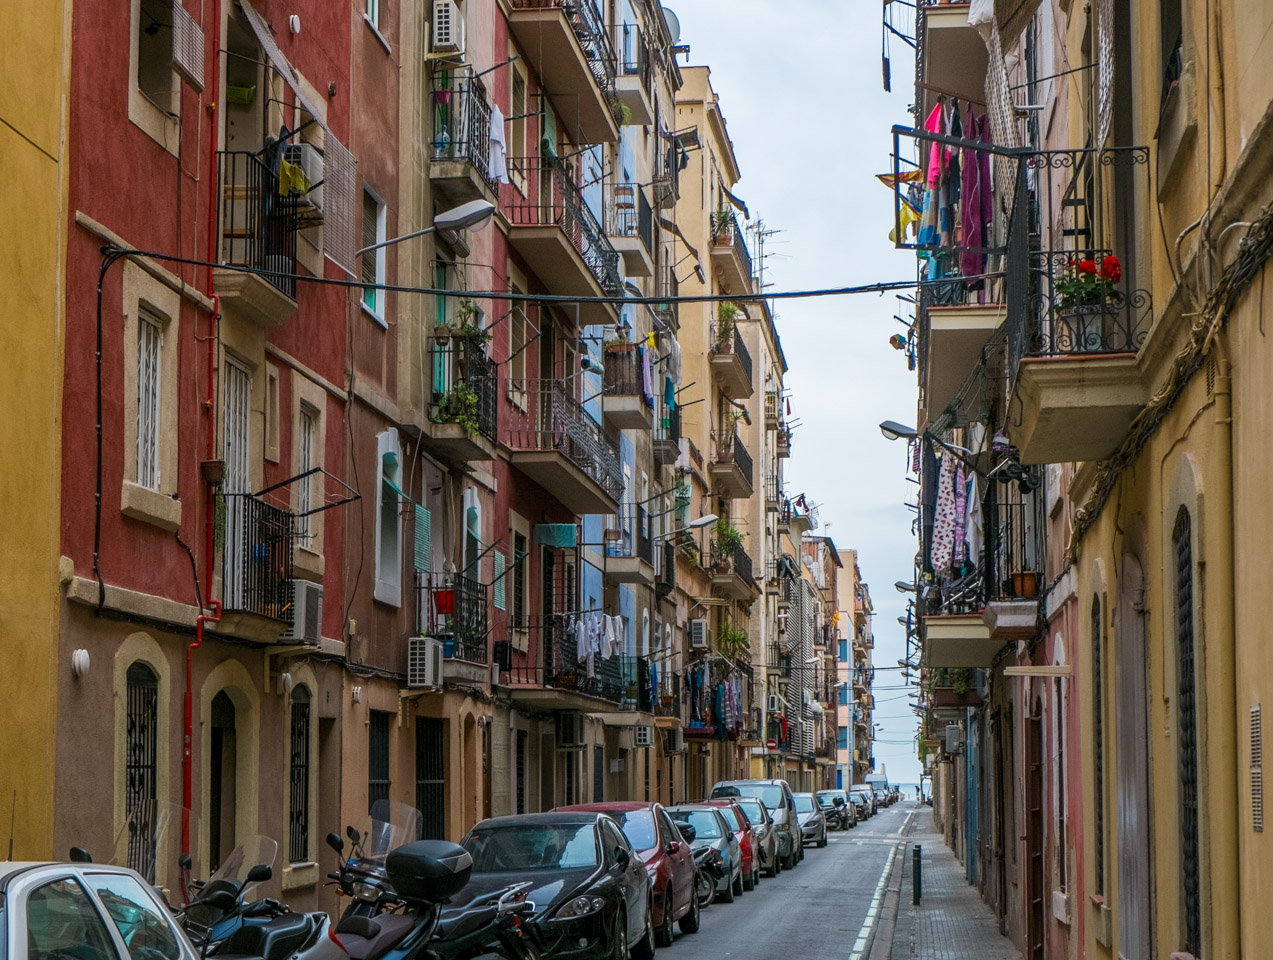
813 824
766 835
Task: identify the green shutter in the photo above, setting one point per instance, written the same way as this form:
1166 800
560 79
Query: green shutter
423 538
499 580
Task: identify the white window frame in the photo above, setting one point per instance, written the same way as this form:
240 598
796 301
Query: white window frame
160 125
376 308
371 12
519 573
306 438
150 348
388 570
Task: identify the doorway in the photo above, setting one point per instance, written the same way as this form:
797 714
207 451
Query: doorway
1131 743
222 773
1035 913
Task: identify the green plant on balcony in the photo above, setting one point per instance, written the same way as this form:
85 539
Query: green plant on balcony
726 321
464 323
731 640
957 678
1089 283
722 221
459 406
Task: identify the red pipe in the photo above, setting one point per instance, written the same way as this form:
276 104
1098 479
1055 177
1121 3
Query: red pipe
187 789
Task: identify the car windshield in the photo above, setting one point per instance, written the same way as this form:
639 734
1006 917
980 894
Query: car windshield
731 818
767 793
753 810
532 846
858 797
804 803
638 827
826 799
706 825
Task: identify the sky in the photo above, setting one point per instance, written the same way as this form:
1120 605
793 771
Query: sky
800 87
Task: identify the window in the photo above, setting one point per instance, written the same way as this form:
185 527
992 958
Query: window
144 928
388 587
430 777
377 758
517 343
844 696
373 261
141 743
62 921
155 77
517 128
520 574
844 651
1062 805
372 12
1171 34
298 802
598 773
271 413
842 738
1098 745
149 344
305 462
1187 730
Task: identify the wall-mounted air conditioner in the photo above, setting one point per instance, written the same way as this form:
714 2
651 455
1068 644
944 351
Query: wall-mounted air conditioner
569 730
700 635
954 738
310 160
676 740
307 613
424 662
643 736
448 28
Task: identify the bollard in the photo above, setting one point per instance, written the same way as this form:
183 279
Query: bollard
917 879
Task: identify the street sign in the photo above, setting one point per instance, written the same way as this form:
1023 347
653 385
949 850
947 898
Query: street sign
771 744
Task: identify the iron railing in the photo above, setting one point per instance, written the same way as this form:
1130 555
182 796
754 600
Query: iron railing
257 561
548 417
773 492
667 425
1015 545
453 608
585 21
732 343
733 559
633 534
552 198
665 568
666 181
553 660
773 406
462 123
258 227
623 376
732 236
630 215
465 389
731 450
633 55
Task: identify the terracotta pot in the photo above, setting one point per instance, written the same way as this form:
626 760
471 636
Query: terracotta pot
1025 583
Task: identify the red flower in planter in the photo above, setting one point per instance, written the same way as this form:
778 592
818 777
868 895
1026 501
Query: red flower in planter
1111 269
1087 266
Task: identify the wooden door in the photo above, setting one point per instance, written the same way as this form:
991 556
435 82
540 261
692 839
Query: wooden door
1131 767
1035 907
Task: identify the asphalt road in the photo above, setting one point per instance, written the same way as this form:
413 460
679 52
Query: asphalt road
817 910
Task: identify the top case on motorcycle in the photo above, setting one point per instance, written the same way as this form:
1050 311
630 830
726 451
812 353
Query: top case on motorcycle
277 939
368 938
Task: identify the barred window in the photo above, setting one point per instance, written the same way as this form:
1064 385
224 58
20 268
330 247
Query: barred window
430 773
1098 747
1187 730
298 803
377 758
149 346
141 740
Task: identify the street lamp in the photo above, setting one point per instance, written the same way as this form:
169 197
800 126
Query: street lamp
893 430
904 587
473 215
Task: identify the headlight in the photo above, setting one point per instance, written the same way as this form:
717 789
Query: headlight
580 907
366 891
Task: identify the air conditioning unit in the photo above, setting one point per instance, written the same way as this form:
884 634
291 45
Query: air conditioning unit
569 730
954 738
774 704
643 736
310 160
448 28
424 662
676 741
700 635
307 613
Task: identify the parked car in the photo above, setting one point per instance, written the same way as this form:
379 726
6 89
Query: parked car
766 835
813 825
712 830
868 791
667 860
882 798
776 795
740 823
591 890
838 809
861 803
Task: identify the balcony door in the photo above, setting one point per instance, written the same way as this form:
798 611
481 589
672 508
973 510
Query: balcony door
1131 741
236 442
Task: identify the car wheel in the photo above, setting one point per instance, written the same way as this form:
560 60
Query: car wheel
644 948
738 886
689 922
619 944
822 842
749 881
664 936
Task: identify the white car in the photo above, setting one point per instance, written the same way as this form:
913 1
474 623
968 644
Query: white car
85 911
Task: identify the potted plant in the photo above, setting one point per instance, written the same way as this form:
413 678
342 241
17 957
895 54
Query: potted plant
726 321
619 343
722 222
459 406
1087 305
731 640
1025 582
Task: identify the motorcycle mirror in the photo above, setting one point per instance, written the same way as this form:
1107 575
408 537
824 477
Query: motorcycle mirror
184 861
220 899
687 831
352 834
337 844
839 801
80 855
260 873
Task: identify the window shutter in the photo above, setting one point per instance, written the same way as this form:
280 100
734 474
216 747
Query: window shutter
423 538
370 214
500 578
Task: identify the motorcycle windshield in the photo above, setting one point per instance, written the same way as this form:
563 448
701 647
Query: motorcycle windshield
150 841
253 851
392 825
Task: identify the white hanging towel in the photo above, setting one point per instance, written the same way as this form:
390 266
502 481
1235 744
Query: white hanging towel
607 646
496 168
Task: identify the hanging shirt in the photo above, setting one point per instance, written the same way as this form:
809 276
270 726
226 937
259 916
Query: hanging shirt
938 154
496 168
943 543
961 514
973 531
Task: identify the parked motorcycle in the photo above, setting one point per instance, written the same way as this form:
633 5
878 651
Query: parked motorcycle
362 877
710 868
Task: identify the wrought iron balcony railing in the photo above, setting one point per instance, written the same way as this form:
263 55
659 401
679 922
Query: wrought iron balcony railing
462 123
633 55
732 236
585 21
553 660
732 342
631 215
548 417
733 559
623 376
1016 549
258 227
667 425
665 567
465 390
731 449
257 560
631 537
552 198
454 609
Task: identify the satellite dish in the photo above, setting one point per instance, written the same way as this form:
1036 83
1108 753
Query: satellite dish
673 25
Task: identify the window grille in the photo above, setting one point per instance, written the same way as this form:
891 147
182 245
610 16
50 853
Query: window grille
1257 769
430 774
519 579
598 774
500 580
521 771
1186 711
298 801
149 347
141 764
377 758
305 463
1098 749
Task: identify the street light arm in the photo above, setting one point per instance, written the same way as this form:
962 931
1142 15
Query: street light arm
389 243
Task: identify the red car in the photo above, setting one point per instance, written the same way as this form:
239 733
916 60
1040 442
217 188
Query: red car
748 847
667 859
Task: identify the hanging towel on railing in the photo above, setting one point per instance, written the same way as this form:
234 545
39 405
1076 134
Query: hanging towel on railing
496 168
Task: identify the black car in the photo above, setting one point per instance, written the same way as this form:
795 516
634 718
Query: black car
591 891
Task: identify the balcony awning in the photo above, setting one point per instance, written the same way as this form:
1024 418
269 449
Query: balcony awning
338 161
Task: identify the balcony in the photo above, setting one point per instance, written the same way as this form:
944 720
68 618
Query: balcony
555 231
665 568
625 404
730 258
666 185
731 469
634 82
782 442
785 512
454 609
258 240
953 334
667 434
1080 317
629 551
731 571
556 443
565 42
951 55
731 363
551 675
1016 555
773 494
631 229
958 640
773 409
464 401
459 162
257 593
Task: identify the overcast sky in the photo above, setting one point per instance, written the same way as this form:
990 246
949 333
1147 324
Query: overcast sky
800 87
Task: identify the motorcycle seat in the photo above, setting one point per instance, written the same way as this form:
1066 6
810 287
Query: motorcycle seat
275 939
462 923
369 938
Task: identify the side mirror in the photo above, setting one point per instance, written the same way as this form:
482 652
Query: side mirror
688 833
337 844
622 858
353 835
80 855
184 862
260 873
220 899
674 847
839 801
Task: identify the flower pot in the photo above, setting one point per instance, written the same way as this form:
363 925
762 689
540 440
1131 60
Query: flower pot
441 334
442 96
1090 328
1025 583
620 347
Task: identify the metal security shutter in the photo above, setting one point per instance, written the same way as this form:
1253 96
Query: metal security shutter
187 46
298 800
1098 747
423 538
377 758
521 771
1186 707
1257 769
430 777
500 579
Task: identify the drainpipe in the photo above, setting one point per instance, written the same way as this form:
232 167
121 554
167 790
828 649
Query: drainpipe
212 604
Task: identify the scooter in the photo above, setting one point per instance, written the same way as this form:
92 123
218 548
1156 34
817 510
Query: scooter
709 869
362 877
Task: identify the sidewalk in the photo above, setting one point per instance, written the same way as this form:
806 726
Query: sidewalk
952 922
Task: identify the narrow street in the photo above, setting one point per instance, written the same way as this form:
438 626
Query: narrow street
824 901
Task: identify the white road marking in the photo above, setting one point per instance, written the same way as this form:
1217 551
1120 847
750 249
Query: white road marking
905 822
859 946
